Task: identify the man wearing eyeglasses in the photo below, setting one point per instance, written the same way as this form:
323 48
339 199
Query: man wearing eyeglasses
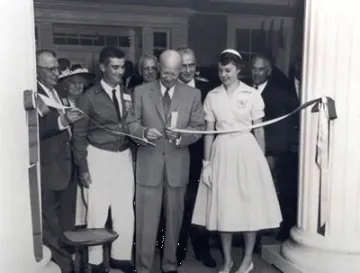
55 157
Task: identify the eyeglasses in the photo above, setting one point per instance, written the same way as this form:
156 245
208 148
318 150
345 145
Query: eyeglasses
54 69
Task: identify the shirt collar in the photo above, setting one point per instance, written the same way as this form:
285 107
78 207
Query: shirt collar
108 89
262 86
163 89
46 90
190 83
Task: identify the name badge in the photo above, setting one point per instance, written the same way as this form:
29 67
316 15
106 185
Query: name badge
65 101
241 103
127 97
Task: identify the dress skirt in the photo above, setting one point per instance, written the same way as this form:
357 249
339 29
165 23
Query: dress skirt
242 196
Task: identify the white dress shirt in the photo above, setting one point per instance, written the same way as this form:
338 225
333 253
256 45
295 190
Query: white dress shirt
108 89
54 95
191 83
261 87
163 90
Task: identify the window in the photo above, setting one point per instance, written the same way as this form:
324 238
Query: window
249 42
161 42
82 35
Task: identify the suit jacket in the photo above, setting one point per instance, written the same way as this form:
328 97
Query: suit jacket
278 100
148 112
55 150
97 104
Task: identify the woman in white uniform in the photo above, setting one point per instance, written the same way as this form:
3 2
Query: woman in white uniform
237 193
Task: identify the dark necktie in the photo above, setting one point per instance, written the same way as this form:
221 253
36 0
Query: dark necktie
166 101
116 103
256 87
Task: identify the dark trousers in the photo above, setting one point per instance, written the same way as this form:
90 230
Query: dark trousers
199 236
52 211
287 185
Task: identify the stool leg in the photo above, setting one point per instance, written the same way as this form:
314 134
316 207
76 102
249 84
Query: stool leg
77 267
106 258
86 266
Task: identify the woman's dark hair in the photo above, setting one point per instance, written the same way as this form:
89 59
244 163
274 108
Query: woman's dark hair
227 58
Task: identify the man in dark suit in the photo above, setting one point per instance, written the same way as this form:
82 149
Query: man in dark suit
55 158
199 235
104 159
162 172
279 99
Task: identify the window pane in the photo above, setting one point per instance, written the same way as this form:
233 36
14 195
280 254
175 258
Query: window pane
257 40
124 41
160 39
111 40
73 41
84 41
59 41
100 41
243 40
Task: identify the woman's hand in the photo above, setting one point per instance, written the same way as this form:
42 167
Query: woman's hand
206 173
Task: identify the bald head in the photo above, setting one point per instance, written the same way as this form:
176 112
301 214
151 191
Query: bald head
170 66
47 68
170 58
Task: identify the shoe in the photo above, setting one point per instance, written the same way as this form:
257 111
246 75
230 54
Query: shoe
123 265
205 257
251 267
228 270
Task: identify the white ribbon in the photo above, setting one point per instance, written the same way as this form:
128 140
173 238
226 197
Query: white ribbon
247 128
52 103
322 159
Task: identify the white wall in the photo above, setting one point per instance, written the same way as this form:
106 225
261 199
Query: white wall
17 70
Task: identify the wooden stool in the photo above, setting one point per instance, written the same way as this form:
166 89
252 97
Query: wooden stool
81 239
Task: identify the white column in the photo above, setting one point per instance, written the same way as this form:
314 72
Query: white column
331 67
17 70
132 48
147 40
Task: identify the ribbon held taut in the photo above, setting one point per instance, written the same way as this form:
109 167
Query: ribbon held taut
41 99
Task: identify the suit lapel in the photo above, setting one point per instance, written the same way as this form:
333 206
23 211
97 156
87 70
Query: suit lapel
176 98
156 97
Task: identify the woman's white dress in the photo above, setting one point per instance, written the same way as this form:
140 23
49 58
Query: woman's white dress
242 196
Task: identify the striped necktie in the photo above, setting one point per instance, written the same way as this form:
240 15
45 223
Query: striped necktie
166 101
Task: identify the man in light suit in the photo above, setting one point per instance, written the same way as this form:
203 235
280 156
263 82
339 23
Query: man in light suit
55 159
162 172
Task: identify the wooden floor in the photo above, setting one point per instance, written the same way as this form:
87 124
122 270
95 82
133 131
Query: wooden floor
191 265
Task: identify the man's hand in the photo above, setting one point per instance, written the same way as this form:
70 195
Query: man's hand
206 173
70 116
85 180
271 162
73 115
152 134
171 135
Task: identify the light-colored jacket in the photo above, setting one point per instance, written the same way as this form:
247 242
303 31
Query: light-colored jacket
148 112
